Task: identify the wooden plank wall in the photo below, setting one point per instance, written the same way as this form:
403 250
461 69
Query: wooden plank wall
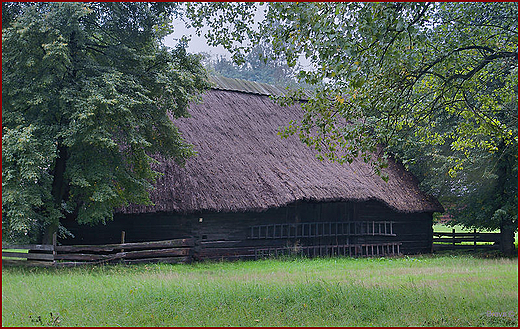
414 230
226 235
138 228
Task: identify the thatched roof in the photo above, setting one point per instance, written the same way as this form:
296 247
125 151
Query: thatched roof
243 165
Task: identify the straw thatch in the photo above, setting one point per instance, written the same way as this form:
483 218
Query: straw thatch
243 165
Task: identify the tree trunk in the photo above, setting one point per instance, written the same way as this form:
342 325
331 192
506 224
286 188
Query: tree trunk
507 238
58 191
507 235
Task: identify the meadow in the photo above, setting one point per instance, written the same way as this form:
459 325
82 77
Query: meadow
430 290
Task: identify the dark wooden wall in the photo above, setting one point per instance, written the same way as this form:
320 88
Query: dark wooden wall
234 235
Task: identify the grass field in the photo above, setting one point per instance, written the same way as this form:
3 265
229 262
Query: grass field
408 291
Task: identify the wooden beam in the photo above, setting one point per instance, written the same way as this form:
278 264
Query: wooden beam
47 247
190 242
27 255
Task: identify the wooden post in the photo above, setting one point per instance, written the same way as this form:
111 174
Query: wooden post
54 243
453 234
123 233
474 239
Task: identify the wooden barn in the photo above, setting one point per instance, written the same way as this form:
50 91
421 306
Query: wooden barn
248 193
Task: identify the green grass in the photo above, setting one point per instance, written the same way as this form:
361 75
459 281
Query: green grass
409 291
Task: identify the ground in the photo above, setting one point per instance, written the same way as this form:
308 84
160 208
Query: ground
425 290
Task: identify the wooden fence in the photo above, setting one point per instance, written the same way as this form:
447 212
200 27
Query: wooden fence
351 250
186 250
167 251
468 240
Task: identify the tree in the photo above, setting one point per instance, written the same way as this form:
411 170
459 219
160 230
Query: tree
443 76
259 65
88 93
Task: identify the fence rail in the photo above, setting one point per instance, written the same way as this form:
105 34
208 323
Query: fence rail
465 240
356 250
166 251
320 229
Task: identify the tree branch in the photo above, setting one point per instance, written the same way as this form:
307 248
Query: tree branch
416 19
485 61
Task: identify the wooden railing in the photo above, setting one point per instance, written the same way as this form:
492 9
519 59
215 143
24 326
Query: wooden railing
468 240
167 251
320 229
352 250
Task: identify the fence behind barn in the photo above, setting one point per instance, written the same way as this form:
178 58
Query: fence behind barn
465 240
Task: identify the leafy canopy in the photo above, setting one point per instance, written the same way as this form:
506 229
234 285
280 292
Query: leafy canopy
441 76
88 91
258 66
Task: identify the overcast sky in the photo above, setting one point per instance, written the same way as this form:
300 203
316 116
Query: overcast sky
197 44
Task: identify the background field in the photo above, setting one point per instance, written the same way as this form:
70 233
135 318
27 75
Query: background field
408 291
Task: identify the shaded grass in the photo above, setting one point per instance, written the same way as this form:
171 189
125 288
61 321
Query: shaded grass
409 291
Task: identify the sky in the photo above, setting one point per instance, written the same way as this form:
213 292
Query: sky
197 44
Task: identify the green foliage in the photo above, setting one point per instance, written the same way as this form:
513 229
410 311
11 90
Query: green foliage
441 77
87 95
259 65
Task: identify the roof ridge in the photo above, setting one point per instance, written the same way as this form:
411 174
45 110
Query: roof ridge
246 86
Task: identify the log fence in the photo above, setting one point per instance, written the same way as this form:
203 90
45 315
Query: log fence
167 251
189 249
467 240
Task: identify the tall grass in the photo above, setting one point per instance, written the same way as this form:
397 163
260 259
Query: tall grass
409 291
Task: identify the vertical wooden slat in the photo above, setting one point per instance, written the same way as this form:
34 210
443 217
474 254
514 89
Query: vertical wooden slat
123 233
54 243
453 234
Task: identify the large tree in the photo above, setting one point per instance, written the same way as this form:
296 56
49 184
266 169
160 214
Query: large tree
88 93
443 76
259 65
